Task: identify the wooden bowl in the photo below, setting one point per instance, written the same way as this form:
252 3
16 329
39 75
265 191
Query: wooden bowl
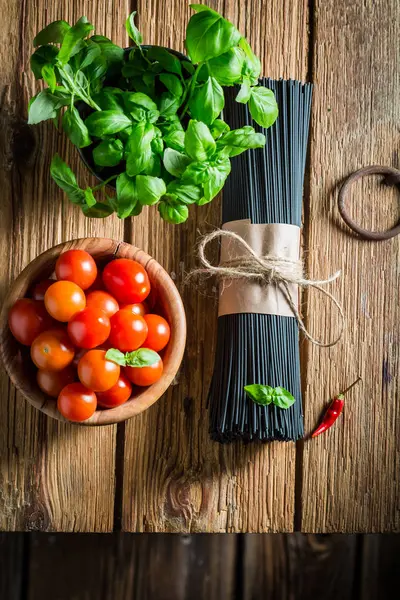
16 357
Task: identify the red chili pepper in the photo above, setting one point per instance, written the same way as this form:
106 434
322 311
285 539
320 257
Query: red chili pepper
334 411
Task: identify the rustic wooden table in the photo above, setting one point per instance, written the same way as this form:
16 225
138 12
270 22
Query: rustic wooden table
160 472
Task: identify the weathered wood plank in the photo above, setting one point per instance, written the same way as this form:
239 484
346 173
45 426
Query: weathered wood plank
277 566
52 476
175 479
141 566
11 565
351 474
380 566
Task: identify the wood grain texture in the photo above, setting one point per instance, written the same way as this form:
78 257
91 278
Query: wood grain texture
179 480
124 566
351 474
53 476
280 567
11 565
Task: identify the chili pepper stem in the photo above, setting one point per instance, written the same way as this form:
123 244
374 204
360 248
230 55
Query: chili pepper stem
350 386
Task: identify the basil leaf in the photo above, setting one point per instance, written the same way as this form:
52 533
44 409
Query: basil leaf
209 35
260 394
96 71
75 128
188 66
45 106
185 192
89 54
173 211
216 177
168 61
106 122
244 93
72 38
175 162
263 106
108 100
239 140
66 180
138 149
199 143
132 99
112 53
227 68
172 84
127 198
144 357
169 104
89 197
251 65
52 34
97 211
196 172
175 140
132 30
282 398
149 189
219 128
157 145
170 124
207 101
45 55
116 356
49 77
108 153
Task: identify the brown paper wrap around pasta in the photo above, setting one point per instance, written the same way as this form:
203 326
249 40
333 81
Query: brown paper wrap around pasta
240 296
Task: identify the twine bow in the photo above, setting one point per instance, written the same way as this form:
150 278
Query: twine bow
269 270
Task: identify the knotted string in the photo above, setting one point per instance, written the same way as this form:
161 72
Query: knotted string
268 270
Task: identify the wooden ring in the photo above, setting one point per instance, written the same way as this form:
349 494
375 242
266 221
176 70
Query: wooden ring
392 177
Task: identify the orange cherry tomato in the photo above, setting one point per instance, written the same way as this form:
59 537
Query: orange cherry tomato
76 266
76 403
41 288
52 350
89 328
63 299
158 332
128 331
118 394
52 382
96 372
102 301
27 319
140 308
145 375
126 280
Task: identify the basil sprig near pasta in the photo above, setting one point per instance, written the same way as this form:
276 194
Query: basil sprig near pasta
149 120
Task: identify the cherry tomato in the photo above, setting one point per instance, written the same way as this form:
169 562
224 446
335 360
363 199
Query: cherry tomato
76 403
63 299
128 331
52 382
118 394
89 328
102 301
140 308
27 319
145 375
41 288
158 332
76 266
52 350
97 284
127 280
78 355
96 372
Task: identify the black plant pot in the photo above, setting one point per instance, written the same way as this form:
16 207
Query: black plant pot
103 173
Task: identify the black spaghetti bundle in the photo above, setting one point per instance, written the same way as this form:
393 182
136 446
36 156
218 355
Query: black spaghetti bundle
265 186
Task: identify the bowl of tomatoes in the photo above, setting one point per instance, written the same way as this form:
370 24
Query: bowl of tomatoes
93 331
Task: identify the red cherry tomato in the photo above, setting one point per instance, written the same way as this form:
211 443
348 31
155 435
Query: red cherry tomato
158 332
76 266
63 299
78 355
52 382
27 319
41 288
76 403
89 328
118 394
96 372
128 331
140 308
127 280
52 350
102 301
145 375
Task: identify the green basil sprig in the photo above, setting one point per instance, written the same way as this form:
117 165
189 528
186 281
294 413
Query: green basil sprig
148 119
265 395
144 357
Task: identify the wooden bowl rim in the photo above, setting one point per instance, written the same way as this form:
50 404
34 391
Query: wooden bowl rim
173 354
